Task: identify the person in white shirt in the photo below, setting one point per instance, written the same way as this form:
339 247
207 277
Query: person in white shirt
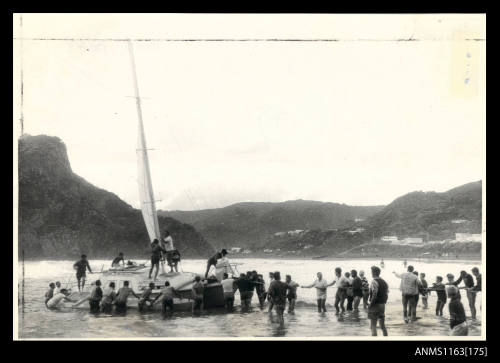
229 287
58 298
341 283
223 267
409 290
169 247
57 290
321 285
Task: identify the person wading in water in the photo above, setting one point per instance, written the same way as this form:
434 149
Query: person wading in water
379 291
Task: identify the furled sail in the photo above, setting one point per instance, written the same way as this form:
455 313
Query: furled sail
146 195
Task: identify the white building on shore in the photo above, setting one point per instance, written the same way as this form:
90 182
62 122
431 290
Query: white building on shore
468 237
390 239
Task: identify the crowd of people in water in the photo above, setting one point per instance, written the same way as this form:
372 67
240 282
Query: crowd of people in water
352 289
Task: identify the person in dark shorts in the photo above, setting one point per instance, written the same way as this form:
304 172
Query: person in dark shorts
365 288
291 293
146 297
50 292
156 255
109 296
278 290
341 284
409 292
175 258
458 323
212 261
246 287
260 289
167 298
349 292
379 291
357 289
471 296
474 290
197 293
439 287
95 297
269 298
168 242
425 292
81 268
117 260
122 297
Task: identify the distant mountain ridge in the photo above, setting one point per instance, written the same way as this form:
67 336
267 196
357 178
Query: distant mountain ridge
61 215
250 224
333 228
431 215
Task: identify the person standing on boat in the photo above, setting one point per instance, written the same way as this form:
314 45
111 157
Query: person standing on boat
212 261
95 297
117 260
156 251
223 266
169 248
81 268
108 297
197 293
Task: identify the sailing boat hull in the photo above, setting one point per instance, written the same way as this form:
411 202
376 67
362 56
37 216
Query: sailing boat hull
182 283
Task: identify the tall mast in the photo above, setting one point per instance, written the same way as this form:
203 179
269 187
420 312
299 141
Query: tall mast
142 150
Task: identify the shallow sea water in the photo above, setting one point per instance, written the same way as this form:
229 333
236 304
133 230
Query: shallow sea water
36 321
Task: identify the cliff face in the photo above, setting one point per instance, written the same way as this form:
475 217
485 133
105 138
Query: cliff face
61 215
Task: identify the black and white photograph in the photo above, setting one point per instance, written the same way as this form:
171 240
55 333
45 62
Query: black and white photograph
217 176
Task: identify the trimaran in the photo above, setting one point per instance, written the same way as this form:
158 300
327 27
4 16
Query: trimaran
137 275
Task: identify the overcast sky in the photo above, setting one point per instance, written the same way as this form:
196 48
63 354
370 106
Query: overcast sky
362 120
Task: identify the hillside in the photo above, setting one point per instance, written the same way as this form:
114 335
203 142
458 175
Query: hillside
431 215
252 224
61 215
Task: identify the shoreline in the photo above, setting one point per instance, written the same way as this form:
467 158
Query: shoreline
467 259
